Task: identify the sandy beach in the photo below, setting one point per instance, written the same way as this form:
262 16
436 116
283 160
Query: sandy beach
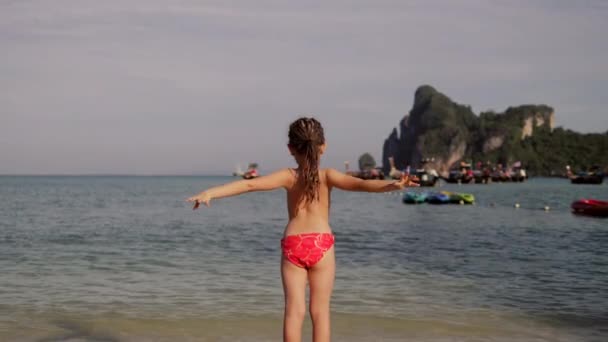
479 326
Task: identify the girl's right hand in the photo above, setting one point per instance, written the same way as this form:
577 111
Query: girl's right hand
200 198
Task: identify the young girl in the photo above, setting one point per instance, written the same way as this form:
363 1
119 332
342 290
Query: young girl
307 244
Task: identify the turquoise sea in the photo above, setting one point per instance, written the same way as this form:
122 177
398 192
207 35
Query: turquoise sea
119 258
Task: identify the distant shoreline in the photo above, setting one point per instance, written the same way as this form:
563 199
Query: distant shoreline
111 175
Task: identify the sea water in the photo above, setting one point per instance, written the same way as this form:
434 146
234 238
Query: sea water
121 258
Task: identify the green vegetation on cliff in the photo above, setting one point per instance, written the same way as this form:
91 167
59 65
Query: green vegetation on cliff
546 152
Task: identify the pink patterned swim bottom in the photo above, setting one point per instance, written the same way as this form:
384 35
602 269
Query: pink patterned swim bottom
305 250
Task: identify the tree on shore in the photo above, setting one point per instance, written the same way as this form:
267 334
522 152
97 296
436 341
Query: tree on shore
366 162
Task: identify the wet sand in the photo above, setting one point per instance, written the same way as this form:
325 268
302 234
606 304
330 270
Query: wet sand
114 327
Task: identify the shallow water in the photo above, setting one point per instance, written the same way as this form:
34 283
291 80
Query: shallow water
125 259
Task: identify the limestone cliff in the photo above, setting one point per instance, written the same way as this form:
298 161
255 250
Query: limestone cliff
437 127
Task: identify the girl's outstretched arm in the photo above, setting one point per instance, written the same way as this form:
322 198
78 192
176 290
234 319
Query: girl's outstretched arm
350 183
272 181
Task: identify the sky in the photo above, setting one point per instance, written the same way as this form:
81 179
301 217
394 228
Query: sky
197 87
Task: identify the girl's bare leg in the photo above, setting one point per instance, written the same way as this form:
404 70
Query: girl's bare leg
294 287
321 277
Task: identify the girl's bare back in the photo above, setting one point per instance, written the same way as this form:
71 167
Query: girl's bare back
304 216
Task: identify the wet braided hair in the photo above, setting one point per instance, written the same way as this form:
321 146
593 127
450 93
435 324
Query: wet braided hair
306 138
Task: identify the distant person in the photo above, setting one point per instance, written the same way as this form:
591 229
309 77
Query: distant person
487 172
374 173
307 244
569 173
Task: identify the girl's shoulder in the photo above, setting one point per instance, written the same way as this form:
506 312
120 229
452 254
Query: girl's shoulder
325 171
328 174
330 171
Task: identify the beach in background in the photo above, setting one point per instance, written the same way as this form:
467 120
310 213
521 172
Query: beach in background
121 258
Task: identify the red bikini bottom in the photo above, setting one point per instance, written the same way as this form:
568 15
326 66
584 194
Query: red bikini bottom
305 250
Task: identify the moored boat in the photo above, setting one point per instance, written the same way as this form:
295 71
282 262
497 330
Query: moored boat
591 207
518 175
461 177
593 176
374 173
587 178
426 178
252 171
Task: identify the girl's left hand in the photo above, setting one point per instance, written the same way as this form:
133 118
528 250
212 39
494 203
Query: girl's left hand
200 198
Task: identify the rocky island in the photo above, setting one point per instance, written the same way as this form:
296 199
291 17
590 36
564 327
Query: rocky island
439 128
